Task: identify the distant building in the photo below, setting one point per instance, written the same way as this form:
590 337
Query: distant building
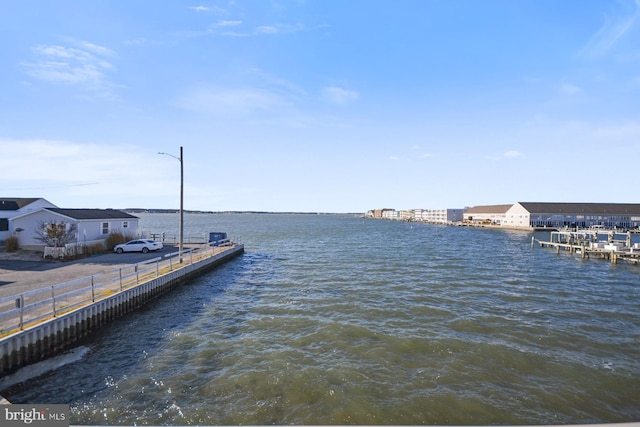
440 216
436 216
377 213
390 214
488 215
557 215
406 215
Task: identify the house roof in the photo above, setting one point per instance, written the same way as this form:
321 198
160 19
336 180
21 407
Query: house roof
583 208
488 209
15 203
80 214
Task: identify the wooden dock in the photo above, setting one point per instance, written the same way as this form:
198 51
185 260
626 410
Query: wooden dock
610 245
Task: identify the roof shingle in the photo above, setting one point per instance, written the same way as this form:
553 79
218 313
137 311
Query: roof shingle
92 213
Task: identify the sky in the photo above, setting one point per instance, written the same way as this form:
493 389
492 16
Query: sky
319 105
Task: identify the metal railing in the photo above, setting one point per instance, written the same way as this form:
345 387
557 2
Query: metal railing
32 307
171 238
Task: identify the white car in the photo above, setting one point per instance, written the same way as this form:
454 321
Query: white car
139 245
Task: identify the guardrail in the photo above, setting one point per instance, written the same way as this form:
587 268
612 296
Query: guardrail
29 308
170 238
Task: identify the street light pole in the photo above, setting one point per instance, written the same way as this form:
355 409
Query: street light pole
181 228
180 247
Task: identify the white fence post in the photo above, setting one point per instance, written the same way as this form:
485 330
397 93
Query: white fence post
20 304
53 300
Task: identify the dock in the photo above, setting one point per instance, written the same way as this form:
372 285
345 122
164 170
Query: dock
44 322
611 245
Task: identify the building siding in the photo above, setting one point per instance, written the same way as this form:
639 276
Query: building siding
87 230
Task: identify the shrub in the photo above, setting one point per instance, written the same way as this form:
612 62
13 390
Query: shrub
96 248
11 244
116 238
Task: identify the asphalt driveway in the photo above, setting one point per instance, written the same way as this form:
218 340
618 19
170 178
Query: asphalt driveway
19 275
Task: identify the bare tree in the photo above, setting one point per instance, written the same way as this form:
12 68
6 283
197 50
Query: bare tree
56 234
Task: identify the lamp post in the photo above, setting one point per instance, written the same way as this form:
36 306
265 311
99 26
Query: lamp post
181 232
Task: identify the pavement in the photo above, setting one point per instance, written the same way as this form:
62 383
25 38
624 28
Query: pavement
23 271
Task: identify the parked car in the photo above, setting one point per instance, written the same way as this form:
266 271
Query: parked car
138 245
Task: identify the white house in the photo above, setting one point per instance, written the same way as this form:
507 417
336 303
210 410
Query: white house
11 207
92 225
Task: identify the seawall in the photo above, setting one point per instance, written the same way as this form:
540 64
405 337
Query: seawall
57 334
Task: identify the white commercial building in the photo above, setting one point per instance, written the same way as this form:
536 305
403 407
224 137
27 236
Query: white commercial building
530 215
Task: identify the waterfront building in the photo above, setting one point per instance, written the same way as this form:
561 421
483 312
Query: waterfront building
377 213
435 216
11 207
441 216
406 215
486 215
390 214
529 215
91 225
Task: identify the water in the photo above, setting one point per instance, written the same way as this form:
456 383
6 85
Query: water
333 319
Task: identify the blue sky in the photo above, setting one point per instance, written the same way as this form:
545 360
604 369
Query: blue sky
327 105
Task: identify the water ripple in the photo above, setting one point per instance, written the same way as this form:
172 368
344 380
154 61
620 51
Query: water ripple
340 320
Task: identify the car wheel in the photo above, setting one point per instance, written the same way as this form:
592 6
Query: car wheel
119 250
145 250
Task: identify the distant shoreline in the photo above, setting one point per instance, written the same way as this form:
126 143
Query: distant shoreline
175 211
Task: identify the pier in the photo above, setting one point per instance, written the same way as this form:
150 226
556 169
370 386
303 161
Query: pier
41 323
612 245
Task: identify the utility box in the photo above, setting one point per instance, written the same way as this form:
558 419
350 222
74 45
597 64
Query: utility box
218 238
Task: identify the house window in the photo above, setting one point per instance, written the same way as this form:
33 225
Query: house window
4 224
105 228
125 224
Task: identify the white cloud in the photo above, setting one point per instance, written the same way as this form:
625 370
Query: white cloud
239 101
512 154
569 89
96 49
71 174
85 65
339 96
209 9
615 27
265 30
200 8
224 24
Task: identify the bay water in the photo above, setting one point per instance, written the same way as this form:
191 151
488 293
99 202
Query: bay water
337 319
